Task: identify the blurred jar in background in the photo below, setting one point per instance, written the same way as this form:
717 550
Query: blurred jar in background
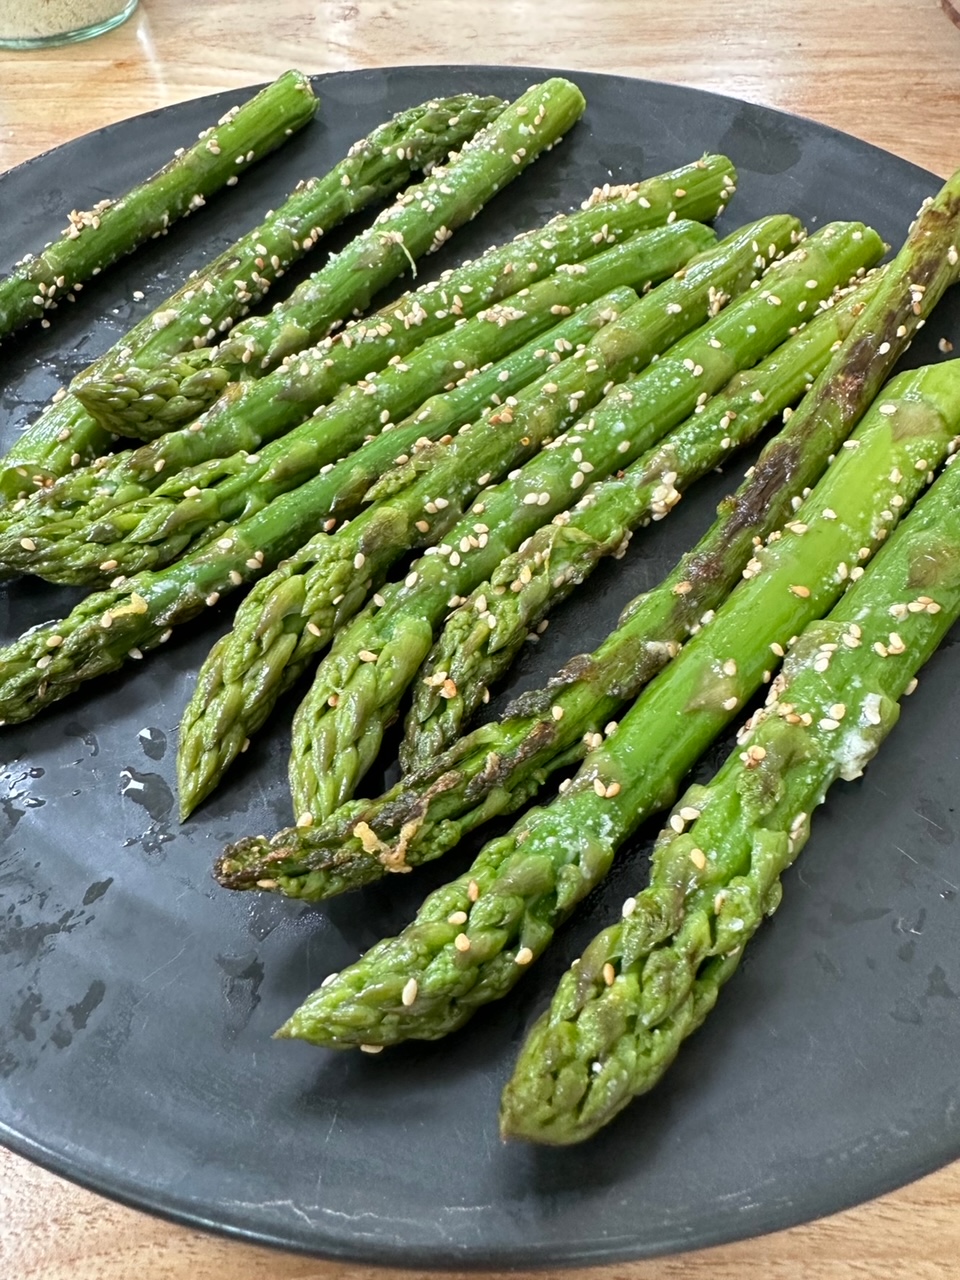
34 24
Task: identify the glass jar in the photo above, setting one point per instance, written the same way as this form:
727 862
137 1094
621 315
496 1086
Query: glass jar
38 24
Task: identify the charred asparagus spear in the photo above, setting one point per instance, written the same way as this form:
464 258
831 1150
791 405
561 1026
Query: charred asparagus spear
109 627
94 239
473 939
421 219
339 727
483 636
259 412
65 435
87 546
499 766
643 985
293 614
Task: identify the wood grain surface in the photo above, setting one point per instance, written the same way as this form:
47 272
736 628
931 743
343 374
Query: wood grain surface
885 70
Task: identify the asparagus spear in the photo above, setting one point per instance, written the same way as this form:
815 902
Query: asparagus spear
422 218
146 533
261 409
66 435
96 238
482 637
472 939
339 727
111 626
643 985
499 766
292 614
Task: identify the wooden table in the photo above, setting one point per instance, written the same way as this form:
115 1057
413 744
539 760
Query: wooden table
885 70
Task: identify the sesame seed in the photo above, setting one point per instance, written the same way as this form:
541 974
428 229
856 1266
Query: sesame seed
523 956
371 1048
28 544
473 891
698 858
457 917
801 591
609 974
729 704
409 993
359 560
556 712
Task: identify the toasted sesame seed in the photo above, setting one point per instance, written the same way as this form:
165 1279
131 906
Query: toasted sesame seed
409 993
800 590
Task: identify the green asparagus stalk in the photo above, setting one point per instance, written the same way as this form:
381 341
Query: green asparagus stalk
149 532
259 411
421 219
109 627
290 616
498 767
643 985
66 436
474 938
483 636
339 727
96 238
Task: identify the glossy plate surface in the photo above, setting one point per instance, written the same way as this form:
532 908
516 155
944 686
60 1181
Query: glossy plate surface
137 999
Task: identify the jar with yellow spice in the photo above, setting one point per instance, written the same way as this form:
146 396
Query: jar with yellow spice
36 24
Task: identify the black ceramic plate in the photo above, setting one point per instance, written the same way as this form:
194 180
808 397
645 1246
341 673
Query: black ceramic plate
137 999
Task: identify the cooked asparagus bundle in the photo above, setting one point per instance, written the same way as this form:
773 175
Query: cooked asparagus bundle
375 167
65 436
96 238
472 939
358 688
499 766
257 412
109 627
420 220
93 546
294 613
483 636
643 985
